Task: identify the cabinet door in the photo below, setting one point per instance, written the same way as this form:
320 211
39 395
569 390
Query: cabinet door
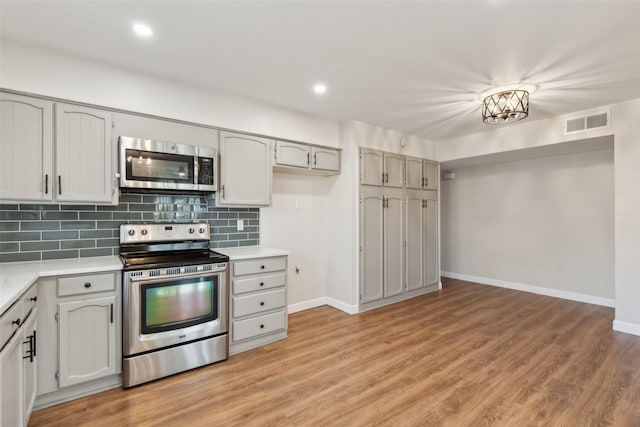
83 154
87 340
11 383
371 166
245 170
393 245
413 173
414 236
432 270
291 154
371 245
30 344
325 159
394 170
26 144
431 177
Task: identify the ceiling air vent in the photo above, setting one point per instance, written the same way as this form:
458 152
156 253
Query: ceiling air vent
589 122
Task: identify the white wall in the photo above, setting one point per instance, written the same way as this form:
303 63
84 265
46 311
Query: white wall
297 221
51 73
546 223
625 127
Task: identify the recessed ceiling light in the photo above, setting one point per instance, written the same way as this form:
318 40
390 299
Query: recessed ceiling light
320 88
142 30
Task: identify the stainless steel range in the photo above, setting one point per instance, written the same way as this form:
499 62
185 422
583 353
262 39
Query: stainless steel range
175 300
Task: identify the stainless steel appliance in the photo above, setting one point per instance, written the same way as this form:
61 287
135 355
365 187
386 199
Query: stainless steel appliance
146 163
175 300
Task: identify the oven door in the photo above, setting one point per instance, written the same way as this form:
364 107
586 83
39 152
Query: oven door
167 311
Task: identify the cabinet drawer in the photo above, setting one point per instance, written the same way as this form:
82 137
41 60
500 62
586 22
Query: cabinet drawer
243 329
262 265
252 304
7 325
265 281
75 285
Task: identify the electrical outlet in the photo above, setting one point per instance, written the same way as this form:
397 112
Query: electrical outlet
240 224
298 203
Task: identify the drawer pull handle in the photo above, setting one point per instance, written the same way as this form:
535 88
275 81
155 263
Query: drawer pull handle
261 302
261 326
34 299
87 285
16 322
261 283
262 267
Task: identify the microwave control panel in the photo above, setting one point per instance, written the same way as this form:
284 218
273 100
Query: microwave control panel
205 170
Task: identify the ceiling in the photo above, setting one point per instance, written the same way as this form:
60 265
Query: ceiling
416 67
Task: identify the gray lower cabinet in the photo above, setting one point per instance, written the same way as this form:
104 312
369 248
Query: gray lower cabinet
258 302
81 335
421 235
398 244
381 243
18 334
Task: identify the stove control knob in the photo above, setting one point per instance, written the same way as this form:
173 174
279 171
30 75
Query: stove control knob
144 231
191 230
201 230
131 232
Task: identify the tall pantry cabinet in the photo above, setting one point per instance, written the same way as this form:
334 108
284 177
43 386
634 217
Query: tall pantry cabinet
399 255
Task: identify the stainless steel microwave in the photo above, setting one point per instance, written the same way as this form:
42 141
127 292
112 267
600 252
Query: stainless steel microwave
145 163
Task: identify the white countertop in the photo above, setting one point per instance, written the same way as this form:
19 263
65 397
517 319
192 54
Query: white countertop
247 252
16 277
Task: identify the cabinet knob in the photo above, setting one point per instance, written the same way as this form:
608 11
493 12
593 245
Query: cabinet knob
261 302
261 283
34 299
16 322
87 285
261 326
262 267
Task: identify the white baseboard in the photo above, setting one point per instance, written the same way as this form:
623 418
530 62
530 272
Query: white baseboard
317 302
351 309
589 299
626 327
306 305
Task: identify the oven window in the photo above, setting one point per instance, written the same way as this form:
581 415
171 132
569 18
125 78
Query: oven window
178 303
159 167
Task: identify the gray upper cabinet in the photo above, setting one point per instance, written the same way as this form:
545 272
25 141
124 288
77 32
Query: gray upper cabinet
82 169
292 154
431 177
413 173
84 154
299 157
325 159
245 170
371 167
26 143
421 174
393 170
381 168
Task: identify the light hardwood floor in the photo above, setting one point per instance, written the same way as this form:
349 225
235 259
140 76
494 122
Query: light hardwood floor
469 355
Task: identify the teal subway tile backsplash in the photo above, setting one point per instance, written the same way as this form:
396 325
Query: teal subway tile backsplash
30 232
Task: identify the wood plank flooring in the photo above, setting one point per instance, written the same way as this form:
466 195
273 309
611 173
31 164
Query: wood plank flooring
469 355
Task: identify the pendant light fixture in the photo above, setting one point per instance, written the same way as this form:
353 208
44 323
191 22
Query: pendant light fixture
505 106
